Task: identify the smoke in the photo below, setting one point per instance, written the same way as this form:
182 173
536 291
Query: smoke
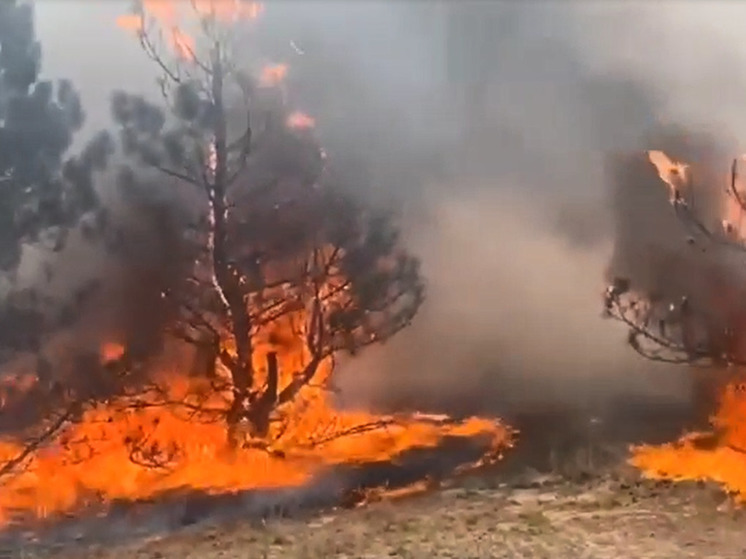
542 203
501 131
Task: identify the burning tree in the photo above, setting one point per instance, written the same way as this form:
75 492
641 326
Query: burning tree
281 255
272 268
698 323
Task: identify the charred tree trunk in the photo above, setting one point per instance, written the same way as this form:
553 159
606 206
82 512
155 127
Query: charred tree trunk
226 276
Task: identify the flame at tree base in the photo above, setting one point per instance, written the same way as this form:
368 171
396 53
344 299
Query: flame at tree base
718 456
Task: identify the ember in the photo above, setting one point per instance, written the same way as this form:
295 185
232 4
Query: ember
300 120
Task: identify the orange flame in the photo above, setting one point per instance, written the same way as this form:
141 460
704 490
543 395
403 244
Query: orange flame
228 10
273 75
172 17
111 351
673 173
676 175
687 459
130 22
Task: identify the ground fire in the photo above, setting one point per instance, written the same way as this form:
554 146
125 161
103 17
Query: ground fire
127 450
703 328
277 288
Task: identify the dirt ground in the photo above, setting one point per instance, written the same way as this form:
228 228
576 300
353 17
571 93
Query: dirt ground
614 515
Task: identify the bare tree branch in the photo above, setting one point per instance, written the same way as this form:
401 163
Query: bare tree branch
151 51
175 174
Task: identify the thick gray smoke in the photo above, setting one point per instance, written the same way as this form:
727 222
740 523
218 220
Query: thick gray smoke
493 127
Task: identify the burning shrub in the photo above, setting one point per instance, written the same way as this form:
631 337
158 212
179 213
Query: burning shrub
696 319
281 255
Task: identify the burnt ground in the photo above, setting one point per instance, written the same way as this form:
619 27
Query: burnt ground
569 496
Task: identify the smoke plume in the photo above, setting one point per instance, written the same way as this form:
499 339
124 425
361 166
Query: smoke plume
506 133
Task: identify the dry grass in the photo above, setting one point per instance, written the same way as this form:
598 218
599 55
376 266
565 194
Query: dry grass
608 517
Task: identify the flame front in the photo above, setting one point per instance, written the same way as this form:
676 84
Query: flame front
121 451
718 456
